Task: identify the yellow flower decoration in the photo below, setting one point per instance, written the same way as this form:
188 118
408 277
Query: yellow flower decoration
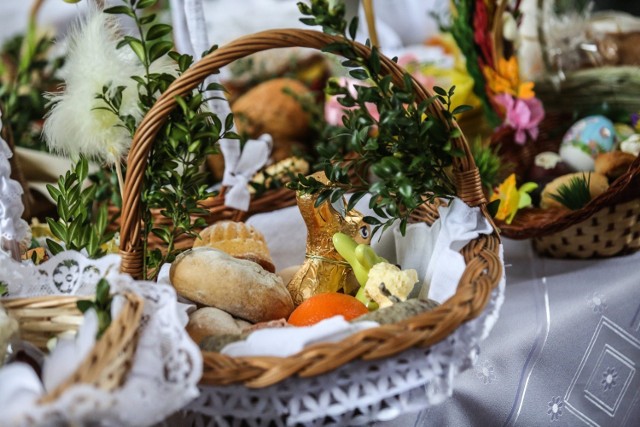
512 198
506 79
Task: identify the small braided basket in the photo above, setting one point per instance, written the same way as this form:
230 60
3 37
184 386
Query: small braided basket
482 274
108 362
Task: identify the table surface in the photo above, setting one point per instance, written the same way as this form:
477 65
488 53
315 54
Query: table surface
565 351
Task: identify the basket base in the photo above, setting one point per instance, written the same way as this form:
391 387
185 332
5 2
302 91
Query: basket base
614 230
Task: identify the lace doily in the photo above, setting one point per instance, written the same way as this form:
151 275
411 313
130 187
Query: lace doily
355 394
12 227
167 364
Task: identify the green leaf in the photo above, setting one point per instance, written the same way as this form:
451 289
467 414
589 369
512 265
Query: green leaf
138 48
492 207
158 30
353 28
354 199
371 220
438 90
84 305
143 4
359 74
120 10
102 291
54 247
159 49
461 109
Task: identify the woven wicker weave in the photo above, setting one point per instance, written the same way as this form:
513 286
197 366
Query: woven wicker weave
42 318
481 275
107 364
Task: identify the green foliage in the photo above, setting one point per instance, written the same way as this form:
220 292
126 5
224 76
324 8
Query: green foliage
574 195
406 149
79 225
26 72
173 182
4 289
488 162
101 304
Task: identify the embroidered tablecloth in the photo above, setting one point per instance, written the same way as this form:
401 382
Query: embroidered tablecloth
564 352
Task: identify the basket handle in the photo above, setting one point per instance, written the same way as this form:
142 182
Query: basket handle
466 176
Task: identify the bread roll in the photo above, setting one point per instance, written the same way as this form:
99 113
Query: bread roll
598 184
209 321
268 108
613 164
241 288
238 240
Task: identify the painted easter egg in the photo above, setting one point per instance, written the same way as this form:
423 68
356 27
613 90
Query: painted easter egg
586 139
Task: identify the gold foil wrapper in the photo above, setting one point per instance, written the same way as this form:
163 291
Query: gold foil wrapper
324 270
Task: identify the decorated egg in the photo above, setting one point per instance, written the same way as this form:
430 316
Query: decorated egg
586 139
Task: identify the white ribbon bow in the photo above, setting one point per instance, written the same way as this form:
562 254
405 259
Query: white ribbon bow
191 37
241 166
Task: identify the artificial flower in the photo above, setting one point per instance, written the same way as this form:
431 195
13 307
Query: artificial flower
512 198
481 33
522 115
77 124
505 78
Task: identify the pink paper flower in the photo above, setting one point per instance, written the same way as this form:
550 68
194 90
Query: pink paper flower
522 115
333 111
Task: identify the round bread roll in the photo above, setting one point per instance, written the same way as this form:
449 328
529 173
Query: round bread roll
614 164
598 184
238 240
209 321
268 108
241 288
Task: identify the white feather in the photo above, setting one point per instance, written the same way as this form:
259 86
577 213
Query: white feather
74 126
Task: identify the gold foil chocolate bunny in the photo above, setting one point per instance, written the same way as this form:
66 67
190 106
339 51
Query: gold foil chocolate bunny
324 270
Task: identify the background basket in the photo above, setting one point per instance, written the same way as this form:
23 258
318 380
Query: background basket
108 362
482 274
610 224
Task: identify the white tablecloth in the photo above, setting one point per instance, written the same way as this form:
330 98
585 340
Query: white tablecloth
565 351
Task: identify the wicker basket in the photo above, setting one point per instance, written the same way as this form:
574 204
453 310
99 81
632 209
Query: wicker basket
106 366
481 276
610 224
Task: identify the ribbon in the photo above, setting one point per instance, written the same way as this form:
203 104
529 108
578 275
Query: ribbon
241 166
191 37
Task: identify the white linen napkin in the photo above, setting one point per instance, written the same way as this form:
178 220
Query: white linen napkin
458 225
283 342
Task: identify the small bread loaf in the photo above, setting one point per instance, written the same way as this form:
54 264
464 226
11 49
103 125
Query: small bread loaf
598 184
241 288
268 108
209 321
614 164
238 240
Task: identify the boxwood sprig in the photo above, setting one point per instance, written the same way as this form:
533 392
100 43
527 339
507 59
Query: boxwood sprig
399 152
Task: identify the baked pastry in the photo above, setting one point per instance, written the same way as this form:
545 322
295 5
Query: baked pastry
209 321
271 107
598 184
613 164
238 240
241 288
